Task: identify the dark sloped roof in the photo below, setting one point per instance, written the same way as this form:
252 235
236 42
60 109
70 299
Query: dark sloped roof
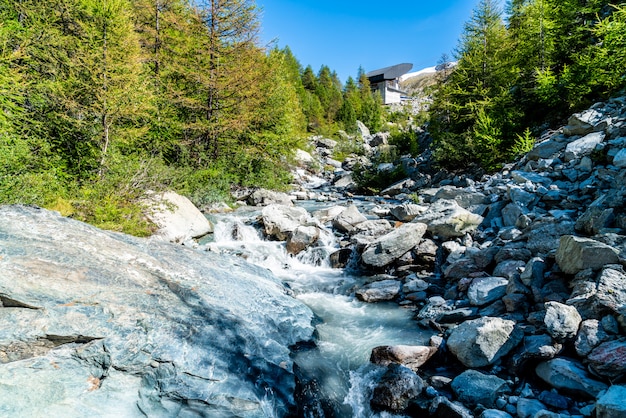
389 73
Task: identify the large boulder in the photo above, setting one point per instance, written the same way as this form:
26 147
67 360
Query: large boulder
348 219
481 342
609 359
485 290
263 197
576 253
379 291
280 221
475 388
411 356
396 388
388 248
583 146
177 219
96 323
569 376
445 218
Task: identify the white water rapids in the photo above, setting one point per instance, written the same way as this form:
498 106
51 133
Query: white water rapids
348 329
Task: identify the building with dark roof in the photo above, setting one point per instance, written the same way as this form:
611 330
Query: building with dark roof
387 82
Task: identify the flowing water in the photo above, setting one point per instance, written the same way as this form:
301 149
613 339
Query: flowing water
348 329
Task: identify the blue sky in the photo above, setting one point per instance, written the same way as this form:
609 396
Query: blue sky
346 34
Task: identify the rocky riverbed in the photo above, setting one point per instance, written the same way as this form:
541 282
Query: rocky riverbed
520 273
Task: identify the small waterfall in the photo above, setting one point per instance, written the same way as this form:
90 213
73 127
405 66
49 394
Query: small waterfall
338 368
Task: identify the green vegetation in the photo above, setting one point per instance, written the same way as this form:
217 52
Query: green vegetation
515 78
101 100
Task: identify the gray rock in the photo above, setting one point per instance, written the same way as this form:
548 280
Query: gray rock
138 327
348 219
590 335
474 388
402 186
379 291
481 342
611 290
362 129
464 197
485 290
608 359
442 407
611 404
388 248
575 254
528 408
619 160
561 321
585 122
583 146
396 388
494 413
346 182
176 218
280 221
302 238
407 212
262 197
411 356
569 376
511 213
536 347
545 236
445 218
547 149
509 268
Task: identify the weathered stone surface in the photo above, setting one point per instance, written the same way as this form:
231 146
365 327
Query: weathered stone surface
389 247
536 347
379 291
302 238
585 122
447 219
561 321
485 290
340 258
545 150
583 146
612 403
442 407
280 221
473 388
263 197
408 211
611 290
494 413
609 359
481 342
177 219
545 236
411 356
396 388
619 160
590 335
528 408
569 376
140 327
348 219
576 253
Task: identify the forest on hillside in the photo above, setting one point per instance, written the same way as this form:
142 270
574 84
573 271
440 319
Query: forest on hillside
521 71
102 100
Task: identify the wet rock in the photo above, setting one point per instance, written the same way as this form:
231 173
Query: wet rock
348 219
575 254
280 221
608 359
485 290
445 218
474 388
481 342
611 404
340 258
590 335
407 212
569 376
389 247
396 388
302 238
561 321
442 407
140 327
176 218
379 291
410 356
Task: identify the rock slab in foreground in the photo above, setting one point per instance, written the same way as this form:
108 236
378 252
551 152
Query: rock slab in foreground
96 323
